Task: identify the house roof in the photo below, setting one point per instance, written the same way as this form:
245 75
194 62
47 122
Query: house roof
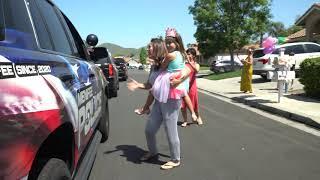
302 20
298 34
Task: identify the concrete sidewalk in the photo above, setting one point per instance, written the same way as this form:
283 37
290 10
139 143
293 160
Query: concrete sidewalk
293 105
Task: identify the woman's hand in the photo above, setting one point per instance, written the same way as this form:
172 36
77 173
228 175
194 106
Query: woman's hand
151 61
175 82
133 85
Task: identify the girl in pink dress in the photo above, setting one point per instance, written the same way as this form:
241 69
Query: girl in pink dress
194 68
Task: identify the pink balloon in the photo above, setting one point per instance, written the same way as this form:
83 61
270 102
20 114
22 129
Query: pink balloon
269 41
269 50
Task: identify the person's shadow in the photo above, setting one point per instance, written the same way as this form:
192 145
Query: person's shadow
134 153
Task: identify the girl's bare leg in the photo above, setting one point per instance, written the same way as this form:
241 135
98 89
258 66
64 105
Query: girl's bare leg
188 102
199 120
184 116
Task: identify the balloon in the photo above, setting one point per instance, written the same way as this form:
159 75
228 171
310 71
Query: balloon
269 49
269 41
282 40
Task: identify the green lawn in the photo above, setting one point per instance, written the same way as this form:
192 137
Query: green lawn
224 75
204 68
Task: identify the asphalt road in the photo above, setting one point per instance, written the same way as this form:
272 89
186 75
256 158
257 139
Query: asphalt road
233 144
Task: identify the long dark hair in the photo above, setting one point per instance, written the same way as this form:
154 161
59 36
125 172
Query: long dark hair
192 51
159 51
177 40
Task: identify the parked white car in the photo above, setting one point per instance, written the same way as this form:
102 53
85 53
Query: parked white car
298 52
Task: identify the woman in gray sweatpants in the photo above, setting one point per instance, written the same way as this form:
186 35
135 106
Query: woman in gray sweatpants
166 113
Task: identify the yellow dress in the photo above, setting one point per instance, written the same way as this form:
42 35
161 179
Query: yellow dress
246 77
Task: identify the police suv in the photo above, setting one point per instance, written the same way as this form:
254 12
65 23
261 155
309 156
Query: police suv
53 103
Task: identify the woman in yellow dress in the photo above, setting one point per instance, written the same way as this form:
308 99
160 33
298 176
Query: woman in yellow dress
247 70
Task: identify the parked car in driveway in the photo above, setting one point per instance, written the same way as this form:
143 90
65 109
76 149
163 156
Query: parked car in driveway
298 52
122 68
224 66
102 58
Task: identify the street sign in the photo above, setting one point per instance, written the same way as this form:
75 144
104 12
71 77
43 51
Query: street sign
281 75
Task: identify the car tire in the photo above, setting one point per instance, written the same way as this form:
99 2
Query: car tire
54 169
265 78
104 124
222 70
115 93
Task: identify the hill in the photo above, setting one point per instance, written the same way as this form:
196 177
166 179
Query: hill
117 50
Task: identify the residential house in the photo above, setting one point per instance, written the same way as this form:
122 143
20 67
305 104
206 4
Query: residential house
310 20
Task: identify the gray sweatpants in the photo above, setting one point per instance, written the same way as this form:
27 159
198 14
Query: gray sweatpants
168 113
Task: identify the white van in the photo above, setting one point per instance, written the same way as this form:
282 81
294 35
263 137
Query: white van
298 52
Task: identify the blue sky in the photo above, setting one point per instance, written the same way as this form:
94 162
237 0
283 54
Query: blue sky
132 23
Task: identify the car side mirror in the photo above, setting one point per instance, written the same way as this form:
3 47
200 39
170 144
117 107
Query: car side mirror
92 40
291 53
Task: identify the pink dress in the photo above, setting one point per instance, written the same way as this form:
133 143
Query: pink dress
193 89
161 89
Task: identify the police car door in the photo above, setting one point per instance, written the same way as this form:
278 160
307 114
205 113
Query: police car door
81 88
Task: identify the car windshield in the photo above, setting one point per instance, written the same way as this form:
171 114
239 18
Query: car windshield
103 60
119 61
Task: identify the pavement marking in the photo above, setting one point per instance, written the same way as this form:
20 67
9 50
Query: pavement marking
282 120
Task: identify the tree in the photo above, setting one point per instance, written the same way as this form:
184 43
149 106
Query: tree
228 24
293 29
143 56
277 29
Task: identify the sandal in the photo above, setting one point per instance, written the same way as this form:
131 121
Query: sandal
199 120
148 156
184 124
170 165
141 111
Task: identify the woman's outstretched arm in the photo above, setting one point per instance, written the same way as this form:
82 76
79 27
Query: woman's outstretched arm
133 85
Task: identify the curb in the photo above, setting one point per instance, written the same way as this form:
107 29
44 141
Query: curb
289 115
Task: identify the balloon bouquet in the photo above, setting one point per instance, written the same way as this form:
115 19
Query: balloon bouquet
269 44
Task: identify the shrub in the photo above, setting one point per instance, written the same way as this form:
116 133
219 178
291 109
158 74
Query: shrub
310 76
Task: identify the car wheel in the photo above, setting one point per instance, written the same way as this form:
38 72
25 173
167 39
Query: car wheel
115 93
54 169
222 70
104 124
265 78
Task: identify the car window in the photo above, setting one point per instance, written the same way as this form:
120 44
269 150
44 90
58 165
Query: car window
119 61
296 49
276 51
55 28
103 61
44 39
312 48
1 23
80 49
18 28
226 62
258 53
